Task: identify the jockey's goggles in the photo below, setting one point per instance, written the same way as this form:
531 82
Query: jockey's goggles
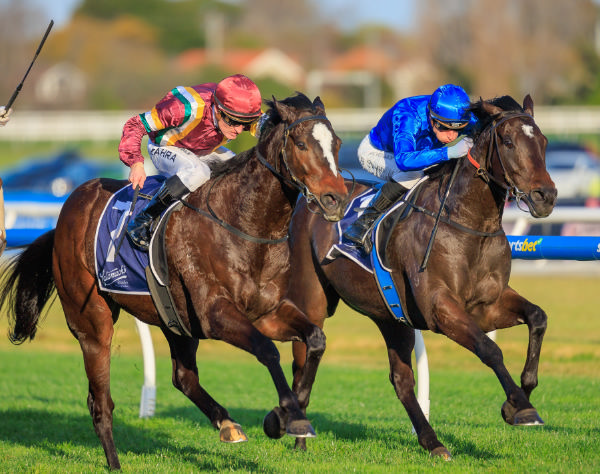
444 125
236 122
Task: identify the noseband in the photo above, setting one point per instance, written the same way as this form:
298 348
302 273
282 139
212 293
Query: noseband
294 182
506 182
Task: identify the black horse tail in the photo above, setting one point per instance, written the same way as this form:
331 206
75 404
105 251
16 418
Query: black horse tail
27 286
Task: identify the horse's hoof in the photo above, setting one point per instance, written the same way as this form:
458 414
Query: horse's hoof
273 425
232 432
300 429
300 444
528 417
508 412
441 452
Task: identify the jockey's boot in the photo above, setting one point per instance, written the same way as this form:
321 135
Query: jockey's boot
140 228
359 231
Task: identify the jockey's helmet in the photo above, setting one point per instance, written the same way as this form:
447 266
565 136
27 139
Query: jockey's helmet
238 97
449 105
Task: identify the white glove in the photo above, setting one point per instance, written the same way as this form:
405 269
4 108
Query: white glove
4 115
461 148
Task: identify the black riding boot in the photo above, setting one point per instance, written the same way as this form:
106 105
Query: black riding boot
140 228
359 231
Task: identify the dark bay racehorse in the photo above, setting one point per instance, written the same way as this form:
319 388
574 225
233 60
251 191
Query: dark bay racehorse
224 286
463 291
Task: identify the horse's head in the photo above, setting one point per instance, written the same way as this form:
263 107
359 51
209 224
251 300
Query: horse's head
514 150
309 154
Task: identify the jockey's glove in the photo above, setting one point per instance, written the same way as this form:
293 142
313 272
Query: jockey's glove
460 149
4 115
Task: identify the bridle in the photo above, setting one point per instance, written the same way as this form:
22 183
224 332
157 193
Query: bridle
294 182
506 183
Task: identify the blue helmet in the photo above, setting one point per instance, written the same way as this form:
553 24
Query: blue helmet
449 104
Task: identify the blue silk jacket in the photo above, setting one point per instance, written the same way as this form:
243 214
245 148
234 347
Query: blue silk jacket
404 130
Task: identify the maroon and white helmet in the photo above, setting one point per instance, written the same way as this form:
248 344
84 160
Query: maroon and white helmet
238 97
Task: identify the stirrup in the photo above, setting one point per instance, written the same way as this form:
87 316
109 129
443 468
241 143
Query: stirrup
363 240
140 234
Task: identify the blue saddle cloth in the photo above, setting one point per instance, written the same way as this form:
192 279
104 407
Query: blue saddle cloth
123 272
345 247
370 262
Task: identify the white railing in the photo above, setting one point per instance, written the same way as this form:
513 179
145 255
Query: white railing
72 125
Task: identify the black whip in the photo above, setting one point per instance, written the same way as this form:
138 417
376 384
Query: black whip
20 86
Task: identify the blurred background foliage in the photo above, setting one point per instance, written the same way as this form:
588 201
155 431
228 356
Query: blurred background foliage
127 51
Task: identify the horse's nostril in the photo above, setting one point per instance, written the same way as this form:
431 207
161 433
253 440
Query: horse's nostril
544 195
329 201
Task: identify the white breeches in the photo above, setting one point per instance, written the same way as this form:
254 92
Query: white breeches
193 170
383 165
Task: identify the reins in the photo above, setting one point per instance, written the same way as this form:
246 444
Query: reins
294 183
234 230
507 184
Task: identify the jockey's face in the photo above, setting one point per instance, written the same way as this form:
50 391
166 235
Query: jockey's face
230 131
443 134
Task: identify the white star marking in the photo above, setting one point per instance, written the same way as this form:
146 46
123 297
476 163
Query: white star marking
323 135
528 130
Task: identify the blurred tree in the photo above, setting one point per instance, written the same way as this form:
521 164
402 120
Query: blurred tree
120 58
294 26
21 29
179 25
512 47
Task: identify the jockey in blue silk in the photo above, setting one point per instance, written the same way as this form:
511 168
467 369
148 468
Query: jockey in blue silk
408 138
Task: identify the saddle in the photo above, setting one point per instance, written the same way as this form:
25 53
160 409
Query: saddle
157 276
376 262
122 267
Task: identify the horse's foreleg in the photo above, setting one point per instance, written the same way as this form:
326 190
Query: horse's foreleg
288 323
453 321
400 341
185 379
514 310
227 323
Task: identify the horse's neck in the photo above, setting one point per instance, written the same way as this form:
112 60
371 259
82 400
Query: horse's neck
473 202
268 196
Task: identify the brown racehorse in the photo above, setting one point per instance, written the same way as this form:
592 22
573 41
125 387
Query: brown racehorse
463 291
225 286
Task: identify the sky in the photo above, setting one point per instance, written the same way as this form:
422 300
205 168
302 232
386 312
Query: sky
398 14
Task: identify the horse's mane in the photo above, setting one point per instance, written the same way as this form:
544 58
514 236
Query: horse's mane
299 102
505 102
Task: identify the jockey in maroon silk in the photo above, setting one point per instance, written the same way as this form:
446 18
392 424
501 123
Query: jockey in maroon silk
186 130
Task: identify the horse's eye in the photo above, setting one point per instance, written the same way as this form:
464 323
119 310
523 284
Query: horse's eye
301 145
507 142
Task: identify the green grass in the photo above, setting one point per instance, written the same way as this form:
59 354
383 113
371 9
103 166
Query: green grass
45 427
360 425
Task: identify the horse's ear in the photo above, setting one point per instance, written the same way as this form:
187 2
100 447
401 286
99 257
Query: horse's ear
528 104
490 109
283 110
318 104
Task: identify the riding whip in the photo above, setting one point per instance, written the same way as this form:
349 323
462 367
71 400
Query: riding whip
20 86
136 192
439 215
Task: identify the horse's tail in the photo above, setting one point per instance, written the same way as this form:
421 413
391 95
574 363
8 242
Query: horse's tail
27 286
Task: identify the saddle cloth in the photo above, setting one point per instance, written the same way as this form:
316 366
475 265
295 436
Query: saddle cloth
123 272
374 263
